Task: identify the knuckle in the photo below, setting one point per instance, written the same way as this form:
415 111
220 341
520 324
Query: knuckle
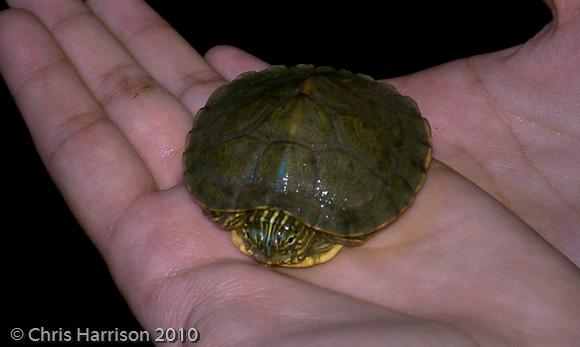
124 81
198 80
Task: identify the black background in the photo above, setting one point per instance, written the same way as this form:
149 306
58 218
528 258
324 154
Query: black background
53 275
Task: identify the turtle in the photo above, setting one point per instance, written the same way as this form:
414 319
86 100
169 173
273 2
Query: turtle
297 162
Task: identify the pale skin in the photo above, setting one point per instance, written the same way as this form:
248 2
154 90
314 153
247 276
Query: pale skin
485 255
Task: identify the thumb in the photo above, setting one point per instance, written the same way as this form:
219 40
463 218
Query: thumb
563 10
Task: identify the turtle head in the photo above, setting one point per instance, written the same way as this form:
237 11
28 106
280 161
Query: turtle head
275 237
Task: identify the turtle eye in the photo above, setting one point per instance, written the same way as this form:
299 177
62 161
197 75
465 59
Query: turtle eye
291 240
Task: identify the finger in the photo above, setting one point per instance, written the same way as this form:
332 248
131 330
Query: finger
96 169
230 61
563 10
160 50
150 118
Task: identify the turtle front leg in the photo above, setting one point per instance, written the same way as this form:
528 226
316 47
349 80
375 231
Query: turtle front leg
322 248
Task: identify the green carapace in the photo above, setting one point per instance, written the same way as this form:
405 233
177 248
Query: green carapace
298 161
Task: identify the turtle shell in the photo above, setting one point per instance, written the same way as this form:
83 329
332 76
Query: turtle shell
341 152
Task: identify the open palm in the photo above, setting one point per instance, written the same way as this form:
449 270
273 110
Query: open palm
108 91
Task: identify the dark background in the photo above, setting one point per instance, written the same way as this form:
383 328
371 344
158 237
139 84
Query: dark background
53 275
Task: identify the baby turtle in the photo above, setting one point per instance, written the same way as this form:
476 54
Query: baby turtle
297 162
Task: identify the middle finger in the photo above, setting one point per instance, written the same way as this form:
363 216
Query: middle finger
165 54
148 115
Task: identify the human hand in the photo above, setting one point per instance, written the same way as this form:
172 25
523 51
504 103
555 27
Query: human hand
457 267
